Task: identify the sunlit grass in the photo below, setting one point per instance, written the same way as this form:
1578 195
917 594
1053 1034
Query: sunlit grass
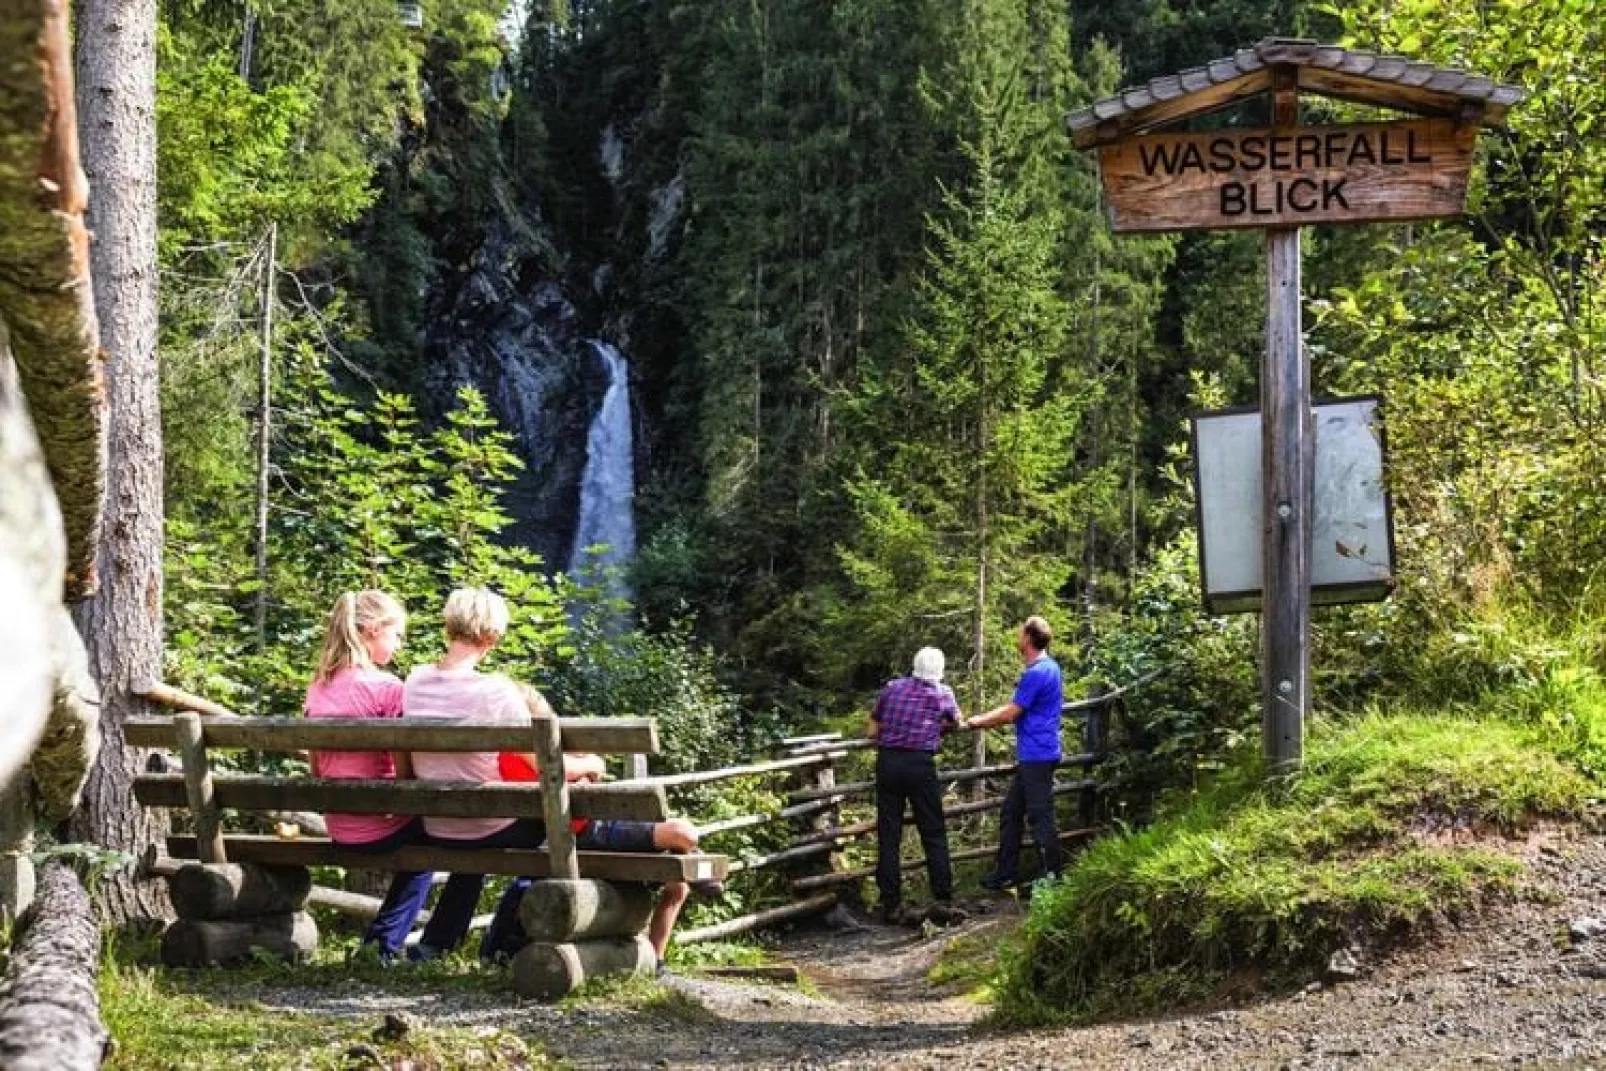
1271 879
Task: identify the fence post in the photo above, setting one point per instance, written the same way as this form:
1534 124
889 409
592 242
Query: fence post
1094 734
822 777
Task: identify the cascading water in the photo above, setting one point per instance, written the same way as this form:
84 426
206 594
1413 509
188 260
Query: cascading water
608 487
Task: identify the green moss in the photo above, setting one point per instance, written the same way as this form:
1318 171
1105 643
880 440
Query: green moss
1270 880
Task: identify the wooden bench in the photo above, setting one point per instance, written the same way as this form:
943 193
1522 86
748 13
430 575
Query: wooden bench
247 893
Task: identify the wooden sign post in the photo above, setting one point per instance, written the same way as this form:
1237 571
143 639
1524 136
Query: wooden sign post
1279 179
1288 475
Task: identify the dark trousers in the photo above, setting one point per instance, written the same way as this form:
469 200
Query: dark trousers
407 893
449 924
902 775
1031 797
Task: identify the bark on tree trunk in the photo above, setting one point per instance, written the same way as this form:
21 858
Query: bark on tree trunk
122 623
49 1007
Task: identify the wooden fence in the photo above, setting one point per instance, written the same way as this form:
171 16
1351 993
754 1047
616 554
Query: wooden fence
815 798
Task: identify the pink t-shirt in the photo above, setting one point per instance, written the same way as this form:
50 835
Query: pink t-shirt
462 693
357 693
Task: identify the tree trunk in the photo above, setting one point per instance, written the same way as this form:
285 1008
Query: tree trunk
978 754
122 623
264 440
49 1006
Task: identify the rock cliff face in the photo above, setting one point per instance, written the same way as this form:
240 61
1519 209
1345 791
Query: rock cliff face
519 342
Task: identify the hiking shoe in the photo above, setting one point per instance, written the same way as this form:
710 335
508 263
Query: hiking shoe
998 883
893 915
422 953
946 913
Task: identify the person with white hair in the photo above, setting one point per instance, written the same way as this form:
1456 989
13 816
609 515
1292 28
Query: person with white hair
911 716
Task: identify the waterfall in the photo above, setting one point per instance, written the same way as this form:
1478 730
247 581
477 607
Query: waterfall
608 487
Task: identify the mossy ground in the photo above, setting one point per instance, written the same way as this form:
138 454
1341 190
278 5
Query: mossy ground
1250 879
172 1018
168 1018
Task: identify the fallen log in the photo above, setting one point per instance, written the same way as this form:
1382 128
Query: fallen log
842 877
556 911
49 1006
768 972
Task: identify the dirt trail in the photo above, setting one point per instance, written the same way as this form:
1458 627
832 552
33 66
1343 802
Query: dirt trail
1511 990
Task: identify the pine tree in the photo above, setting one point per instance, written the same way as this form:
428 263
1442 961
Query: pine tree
122 622
961 520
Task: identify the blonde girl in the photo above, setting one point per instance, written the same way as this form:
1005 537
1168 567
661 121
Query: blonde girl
364 632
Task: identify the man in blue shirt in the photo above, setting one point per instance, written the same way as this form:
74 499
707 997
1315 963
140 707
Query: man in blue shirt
1035 709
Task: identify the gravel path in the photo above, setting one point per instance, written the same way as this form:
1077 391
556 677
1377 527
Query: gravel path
1513 989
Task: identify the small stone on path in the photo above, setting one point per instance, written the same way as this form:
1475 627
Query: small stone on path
1343 966
1585 929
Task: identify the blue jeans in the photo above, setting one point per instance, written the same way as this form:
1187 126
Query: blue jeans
449 924
406 896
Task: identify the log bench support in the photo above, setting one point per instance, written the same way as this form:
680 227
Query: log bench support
581 930
230 912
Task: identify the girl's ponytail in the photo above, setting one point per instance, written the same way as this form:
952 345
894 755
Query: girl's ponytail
343 645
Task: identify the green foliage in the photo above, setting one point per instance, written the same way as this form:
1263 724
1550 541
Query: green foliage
665 676
365 498
1199 703
1246 876
960 524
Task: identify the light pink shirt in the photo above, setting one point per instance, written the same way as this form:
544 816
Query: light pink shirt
462 693
357 693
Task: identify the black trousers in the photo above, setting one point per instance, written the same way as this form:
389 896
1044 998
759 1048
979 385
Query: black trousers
902 775
1030 802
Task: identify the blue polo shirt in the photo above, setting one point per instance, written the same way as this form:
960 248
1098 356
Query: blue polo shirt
1040 694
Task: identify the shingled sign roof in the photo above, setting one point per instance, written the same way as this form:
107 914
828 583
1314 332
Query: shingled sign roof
1363 77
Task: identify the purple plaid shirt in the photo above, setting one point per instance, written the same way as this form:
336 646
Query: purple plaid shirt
911 711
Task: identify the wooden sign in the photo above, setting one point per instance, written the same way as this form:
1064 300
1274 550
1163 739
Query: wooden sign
1411 169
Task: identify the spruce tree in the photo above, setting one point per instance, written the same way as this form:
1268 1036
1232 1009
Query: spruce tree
961 521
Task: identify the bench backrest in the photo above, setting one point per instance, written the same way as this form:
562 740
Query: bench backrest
206 792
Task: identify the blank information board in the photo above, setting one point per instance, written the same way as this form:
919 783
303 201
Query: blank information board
1352 537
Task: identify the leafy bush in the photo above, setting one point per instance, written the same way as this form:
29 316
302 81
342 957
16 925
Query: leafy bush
1202 705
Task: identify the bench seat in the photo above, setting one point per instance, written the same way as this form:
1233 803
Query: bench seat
653 867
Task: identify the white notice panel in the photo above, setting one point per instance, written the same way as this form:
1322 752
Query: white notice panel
1352 544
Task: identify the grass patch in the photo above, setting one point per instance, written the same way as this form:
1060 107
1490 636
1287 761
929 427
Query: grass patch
968 964
718 954
640 992
164 1017
1268 881
159 1021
